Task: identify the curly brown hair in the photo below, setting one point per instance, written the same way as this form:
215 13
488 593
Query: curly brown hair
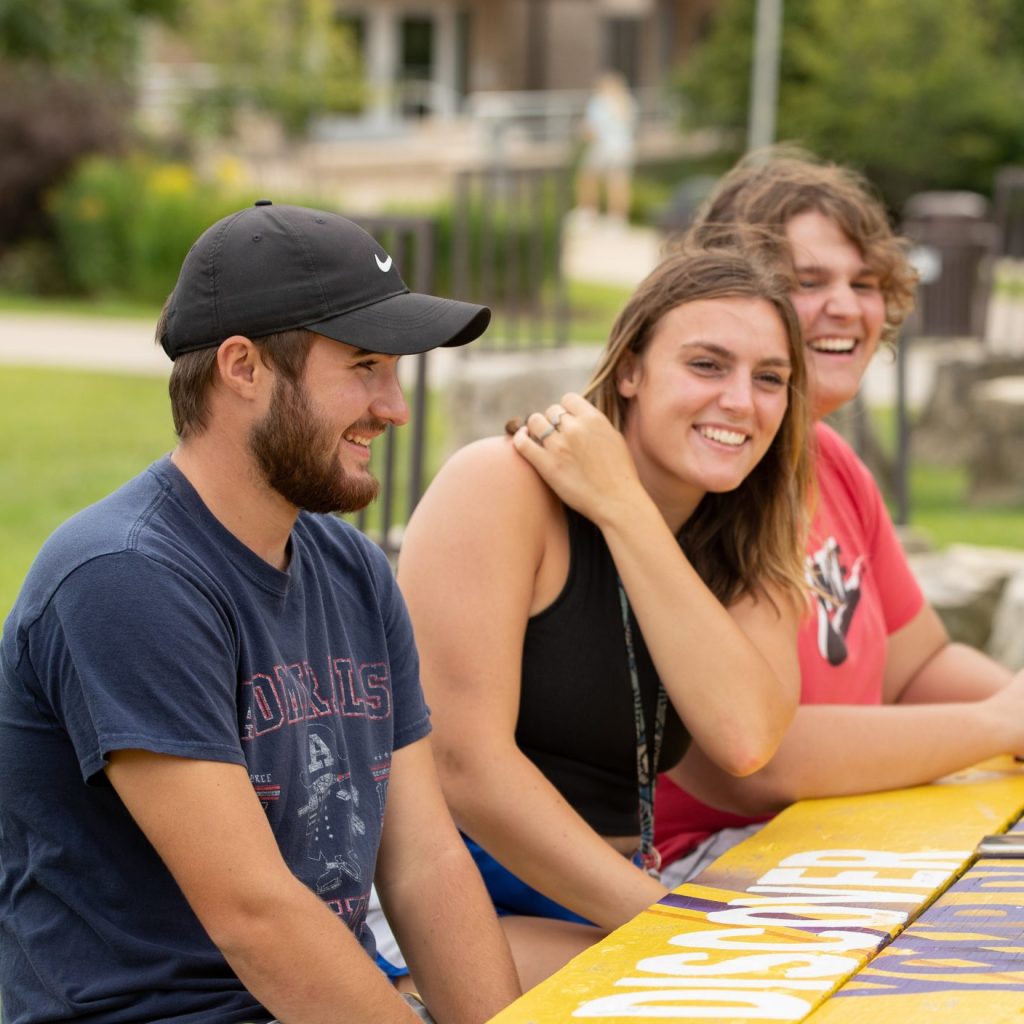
752 204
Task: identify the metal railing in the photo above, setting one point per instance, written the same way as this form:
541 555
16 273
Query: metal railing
507 252
554 114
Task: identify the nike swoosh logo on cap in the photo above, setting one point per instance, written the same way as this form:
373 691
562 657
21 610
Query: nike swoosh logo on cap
383 265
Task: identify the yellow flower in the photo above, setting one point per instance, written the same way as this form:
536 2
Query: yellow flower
90 208
229 172
171 179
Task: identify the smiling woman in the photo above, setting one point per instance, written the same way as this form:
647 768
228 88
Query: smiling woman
887 701
620 575
711 392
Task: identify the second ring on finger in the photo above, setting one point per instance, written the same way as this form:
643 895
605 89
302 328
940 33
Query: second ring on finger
540 427
554 415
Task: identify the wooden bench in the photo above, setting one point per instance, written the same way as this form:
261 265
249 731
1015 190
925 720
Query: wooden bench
790 924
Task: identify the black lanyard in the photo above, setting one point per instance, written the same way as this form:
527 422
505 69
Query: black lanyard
647 856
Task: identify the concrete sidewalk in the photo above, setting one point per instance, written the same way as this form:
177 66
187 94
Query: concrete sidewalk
117 345
126 346
66 341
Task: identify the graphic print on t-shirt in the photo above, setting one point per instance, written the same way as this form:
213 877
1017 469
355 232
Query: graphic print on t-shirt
836 593
331 812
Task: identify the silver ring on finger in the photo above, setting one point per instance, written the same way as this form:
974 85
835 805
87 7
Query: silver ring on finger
541 438
557 418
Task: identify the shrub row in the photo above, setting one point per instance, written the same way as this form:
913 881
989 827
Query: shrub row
122 227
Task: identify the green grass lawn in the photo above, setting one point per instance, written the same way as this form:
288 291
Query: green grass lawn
939 510
11 302
70 438
73 437
939 506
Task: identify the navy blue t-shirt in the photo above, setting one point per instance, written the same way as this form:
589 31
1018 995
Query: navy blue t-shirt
145 624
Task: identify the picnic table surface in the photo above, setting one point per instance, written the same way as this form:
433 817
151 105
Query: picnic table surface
865 908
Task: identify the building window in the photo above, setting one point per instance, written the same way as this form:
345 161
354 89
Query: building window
621 49
417 65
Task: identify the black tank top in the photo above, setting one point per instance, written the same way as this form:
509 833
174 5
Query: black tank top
576 721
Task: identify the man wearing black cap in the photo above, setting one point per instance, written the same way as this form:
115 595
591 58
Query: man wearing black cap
209 687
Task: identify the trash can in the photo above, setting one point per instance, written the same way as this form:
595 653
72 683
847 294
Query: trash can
954 243
677 215
1009 213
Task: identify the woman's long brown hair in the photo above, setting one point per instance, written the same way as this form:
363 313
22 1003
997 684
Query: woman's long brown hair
745 540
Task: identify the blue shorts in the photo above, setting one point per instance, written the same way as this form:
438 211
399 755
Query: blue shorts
509 894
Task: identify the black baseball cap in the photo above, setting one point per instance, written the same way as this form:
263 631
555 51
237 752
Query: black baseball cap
274 268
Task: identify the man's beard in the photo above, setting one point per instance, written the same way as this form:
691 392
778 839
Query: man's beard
299 456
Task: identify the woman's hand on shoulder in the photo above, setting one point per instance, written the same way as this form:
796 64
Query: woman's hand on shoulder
579 454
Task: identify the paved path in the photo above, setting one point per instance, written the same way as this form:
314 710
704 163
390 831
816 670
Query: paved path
127 346
81 342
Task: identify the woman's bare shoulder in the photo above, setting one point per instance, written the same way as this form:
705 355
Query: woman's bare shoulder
486 514
489 467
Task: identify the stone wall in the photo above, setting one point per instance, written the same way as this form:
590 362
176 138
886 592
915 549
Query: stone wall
979 595
483 390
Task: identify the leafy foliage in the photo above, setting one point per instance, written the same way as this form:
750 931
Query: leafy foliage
83 38
47 121
918 95
66 74
289 58
124 226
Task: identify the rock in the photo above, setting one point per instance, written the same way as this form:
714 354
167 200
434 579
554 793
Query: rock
1006 643
913 540
485 389
996 468
947 429
964 584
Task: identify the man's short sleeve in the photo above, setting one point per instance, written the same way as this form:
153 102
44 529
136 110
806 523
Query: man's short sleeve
412 717
899 592
131 655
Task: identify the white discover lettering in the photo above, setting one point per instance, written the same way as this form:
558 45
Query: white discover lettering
717 1003
824 907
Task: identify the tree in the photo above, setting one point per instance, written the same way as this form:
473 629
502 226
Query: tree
66 74
917 94
87 39
292 59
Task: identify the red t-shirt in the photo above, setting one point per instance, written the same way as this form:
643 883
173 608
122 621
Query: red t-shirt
855 557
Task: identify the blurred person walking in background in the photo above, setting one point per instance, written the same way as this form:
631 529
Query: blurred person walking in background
609 132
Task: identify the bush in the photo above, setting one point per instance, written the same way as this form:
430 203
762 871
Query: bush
124 227
47 122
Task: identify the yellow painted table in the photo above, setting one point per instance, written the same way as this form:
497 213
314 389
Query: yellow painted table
780 922
961 960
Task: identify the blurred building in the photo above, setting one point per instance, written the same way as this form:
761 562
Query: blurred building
459 83
435 56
